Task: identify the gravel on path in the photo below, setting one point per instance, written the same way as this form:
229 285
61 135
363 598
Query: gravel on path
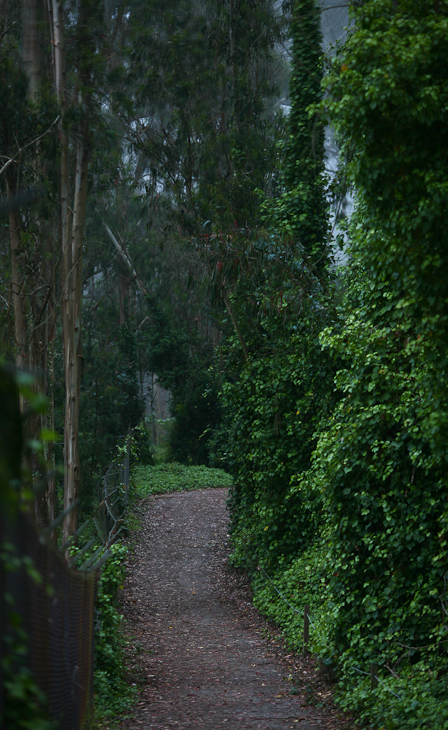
197 644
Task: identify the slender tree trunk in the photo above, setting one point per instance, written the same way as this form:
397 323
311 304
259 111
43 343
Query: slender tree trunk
41 325
232 51
235 324
72 237
17 283
123 291
71 328
31 49
50 494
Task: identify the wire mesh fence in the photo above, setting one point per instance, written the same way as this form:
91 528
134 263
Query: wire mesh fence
51 608
47 606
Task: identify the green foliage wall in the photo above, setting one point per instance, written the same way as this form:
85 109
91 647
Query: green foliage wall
390 106
380 460
277 404
275 398
376 574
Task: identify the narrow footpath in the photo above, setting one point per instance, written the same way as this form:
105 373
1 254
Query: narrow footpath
199 649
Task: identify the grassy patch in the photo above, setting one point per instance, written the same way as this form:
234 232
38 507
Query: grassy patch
177 478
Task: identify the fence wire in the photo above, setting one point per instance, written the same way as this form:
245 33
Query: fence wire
113 495
302 613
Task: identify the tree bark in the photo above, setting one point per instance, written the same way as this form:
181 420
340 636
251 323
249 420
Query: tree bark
31 49
235 324
71 328
72 221
41 307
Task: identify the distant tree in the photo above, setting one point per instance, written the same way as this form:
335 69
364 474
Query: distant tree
205 138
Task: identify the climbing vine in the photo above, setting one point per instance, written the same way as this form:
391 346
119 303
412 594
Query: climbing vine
301 211
279 299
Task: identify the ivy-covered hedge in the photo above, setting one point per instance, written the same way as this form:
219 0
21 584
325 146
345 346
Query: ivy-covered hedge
383 459
358 530
277 405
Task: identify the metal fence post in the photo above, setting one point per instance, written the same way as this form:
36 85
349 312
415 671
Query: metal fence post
127 459
373 675
306 627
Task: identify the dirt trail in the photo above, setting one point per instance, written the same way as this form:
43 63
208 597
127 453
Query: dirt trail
199 649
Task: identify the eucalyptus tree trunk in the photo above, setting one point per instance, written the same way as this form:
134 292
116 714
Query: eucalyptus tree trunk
71 330
72 220
41 309
24 280
18 280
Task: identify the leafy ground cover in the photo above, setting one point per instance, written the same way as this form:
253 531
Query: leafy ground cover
113 694
176 477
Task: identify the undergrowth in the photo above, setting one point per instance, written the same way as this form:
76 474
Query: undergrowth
176 477
113 695
411 693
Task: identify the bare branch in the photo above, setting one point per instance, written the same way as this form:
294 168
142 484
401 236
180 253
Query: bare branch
21 149
124 255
